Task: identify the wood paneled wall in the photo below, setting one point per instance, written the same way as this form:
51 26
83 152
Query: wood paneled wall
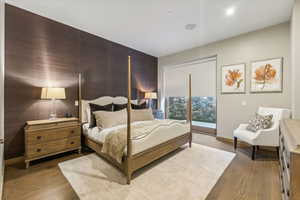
40 52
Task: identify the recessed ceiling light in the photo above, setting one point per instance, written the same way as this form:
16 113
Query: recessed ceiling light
190 26
230 11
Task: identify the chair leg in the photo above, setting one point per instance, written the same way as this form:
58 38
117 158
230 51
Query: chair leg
277 151
253 152
235 143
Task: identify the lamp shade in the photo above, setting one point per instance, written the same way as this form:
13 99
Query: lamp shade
53 93
150 95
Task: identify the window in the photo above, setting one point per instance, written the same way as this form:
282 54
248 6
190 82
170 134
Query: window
203 90
204 109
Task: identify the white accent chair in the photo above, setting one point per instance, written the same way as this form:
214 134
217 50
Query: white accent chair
264 137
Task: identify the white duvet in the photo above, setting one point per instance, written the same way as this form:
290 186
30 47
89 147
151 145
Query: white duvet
159 135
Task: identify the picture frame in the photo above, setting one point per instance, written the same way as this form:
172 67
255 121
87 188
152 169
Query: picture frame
266 76
233 79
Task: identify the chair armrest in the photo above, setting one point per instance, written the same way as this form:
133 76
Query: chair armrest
268 137
269 130
243 126
274 128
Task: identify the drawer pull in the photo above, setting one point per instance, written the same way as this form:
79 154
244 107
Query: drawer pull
38 150
72 142
38 137
72 131
288 193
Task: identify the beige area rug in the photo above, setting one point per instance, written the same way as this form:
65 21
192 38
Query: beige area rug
187 174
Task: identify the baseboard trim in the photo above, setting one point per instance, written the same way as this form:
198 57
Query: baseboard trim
243 144
230 140
208 131
15 160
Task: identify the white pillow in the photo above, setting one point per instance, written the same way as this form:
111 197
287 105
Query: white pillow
141 115
106 119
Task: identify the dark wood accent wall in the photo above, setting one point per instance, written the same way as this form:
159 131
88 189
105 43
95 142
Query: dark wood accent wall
40 52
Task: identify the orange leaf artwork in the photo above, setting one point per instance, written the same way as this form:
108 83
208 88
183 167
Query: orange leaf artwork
233 78
265 74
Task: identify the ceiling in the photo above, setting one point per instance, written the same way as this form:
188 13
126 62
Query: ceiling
157 27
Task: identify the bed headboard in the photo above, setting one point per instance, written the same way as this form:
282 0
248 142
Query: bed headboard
101 101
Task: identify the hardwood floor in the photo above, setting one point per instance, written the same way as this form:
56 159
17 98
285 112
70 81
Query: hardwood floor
43 180
244 179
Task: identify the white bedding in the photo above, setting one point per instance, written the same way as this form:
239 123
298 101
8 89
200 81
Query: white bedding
158 136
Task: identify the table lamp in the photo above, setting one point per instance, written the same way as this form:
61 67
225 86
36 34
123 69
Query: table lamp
150 96
53 94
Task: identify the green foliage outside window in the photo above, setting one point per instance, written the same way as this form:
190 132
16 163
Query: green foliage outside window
204 108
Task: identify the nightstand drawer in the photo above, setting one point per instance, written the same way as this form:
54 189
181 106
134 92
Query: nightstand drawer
37 150
41 136
51 126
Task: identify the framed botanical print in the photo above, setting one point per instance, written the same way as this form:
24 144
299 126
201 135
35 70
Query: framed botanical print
233 78
266 75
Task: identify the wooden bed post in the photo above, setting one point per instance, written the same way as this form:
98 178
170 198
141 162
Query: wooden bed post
79 98
190 109
129 142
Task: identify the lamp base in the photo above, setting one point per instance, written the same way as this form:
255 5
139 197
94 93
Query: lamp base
53 110
52 117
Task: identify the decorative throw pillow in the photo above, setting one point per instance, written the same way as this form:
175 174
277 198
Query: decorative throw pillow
95 107
266 120
110 119
139 106
260 122
118 107
254 125
141 115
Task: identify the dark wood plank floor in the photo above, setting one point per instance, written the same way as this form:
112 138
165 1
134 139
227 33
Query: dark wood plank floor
244 179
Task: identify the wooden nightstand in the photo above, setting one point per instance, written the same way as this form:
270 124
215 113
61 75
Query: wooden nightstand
49 137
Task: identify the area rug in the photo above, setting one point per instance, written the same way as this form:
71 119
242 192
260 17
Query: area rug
187 174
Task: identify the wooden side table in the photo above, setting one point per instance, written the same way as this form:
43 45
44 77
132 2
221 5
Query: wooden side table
45 138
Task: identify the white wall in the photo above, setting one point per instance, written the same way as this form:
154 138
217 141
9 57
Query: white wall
295 53
271 42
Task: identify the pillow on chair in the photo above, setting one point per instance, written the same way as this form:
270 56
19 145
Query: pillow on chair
254 125
266 120
260 122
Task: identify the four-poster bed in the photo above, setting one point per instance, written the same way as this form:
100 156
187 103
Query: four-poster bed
137 153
